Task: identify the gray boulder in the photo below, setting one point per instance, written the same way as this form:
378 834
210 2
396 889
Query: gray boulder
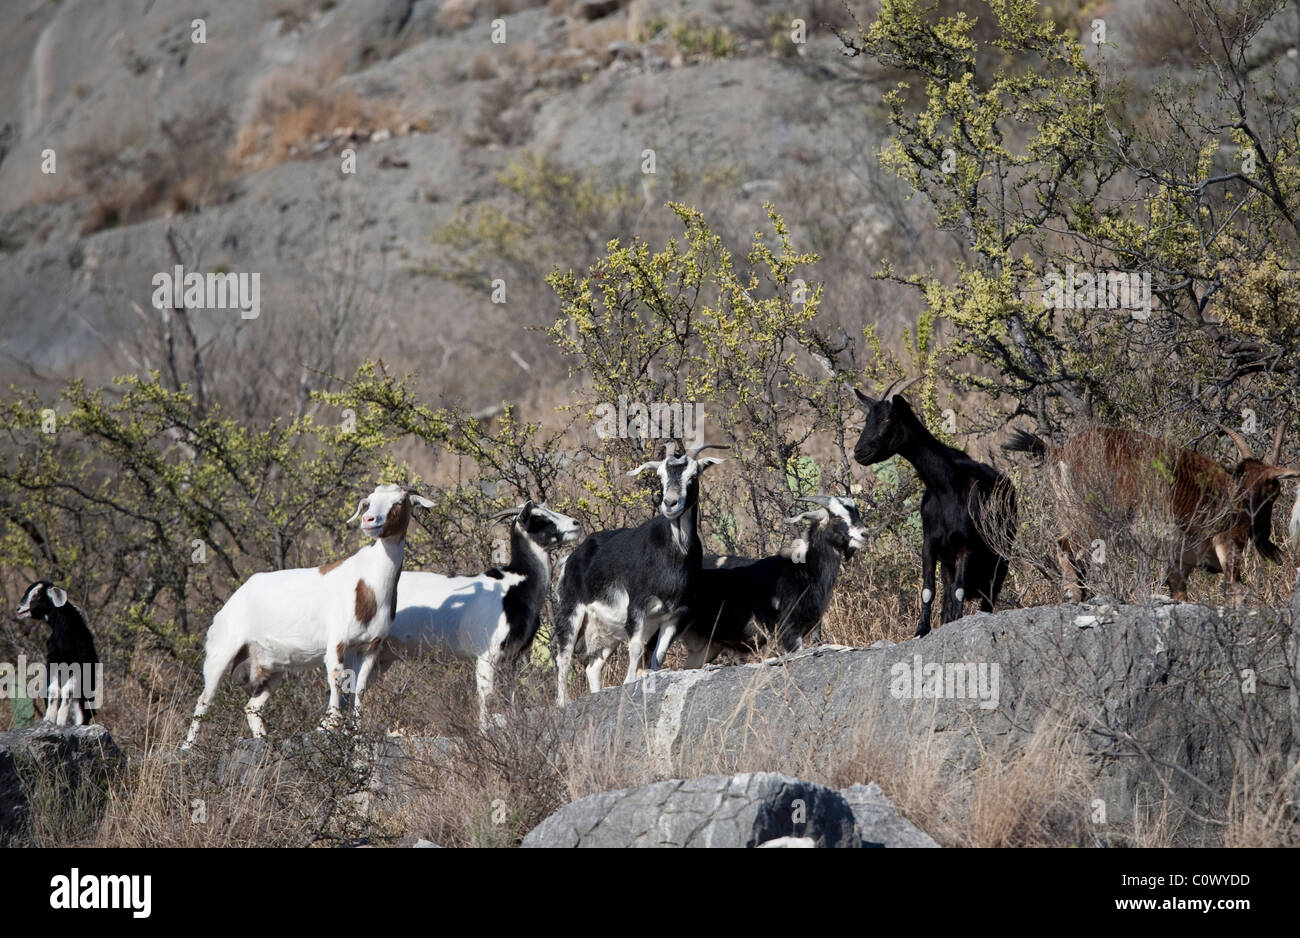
64 764
715 811
879 823
1159 699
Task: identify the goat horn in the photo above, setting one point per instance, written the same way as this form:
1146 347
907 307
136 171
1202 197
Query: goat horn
894 392
1277 442
643 467
1237 438
809 516
506 513
823 500
695 451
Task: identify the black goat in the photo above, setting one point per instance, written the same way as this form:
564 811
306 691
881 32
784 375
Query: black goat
71 664
963 499
742 604
624 587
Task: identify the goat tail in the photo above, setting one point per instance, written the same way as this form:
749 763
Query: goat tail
224 653
1022 441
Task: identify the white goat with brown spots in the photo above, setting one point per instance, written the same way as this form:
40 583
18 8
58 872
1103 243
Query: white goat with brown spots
290 620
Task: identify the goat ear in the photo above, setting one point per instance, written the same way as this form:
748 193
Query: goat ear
526 512
419 500
643 467
864 401
57 596
361 506
708 461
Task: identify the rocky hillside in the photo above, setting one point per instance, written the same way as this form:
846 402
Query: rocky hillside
118 125
237 145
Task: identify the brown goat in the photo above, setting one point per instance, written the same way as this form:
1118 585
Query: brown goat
1109 475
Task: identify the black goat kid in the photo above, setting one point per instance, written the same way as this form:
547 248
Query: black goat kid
963 499
744 604
71 664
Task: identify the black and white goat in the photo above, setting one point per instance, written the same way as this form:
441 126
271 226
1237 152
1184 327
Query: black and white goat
623 587
963 499
72 669
289 620
742 604
489 619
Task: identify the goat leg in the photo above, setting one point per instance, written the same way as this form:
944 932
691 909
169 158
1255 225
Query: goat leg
568 627
636 642
334 676
51 698
596 666
1071 574
667 632
927 584
955 597
368 664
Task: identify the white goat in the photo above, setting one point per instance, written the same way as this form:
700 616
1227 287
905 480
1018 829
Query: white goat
489 619
290 620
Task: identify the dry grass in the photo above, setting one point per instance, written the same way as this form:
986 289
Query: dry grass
500 118
1261 812
295 113
1035 795
594 38
482 66
181 169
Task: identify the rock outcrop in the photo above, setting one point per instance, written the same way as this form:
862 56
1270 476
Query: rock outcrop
67 762
879 823
1158 698
746 810
760 809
